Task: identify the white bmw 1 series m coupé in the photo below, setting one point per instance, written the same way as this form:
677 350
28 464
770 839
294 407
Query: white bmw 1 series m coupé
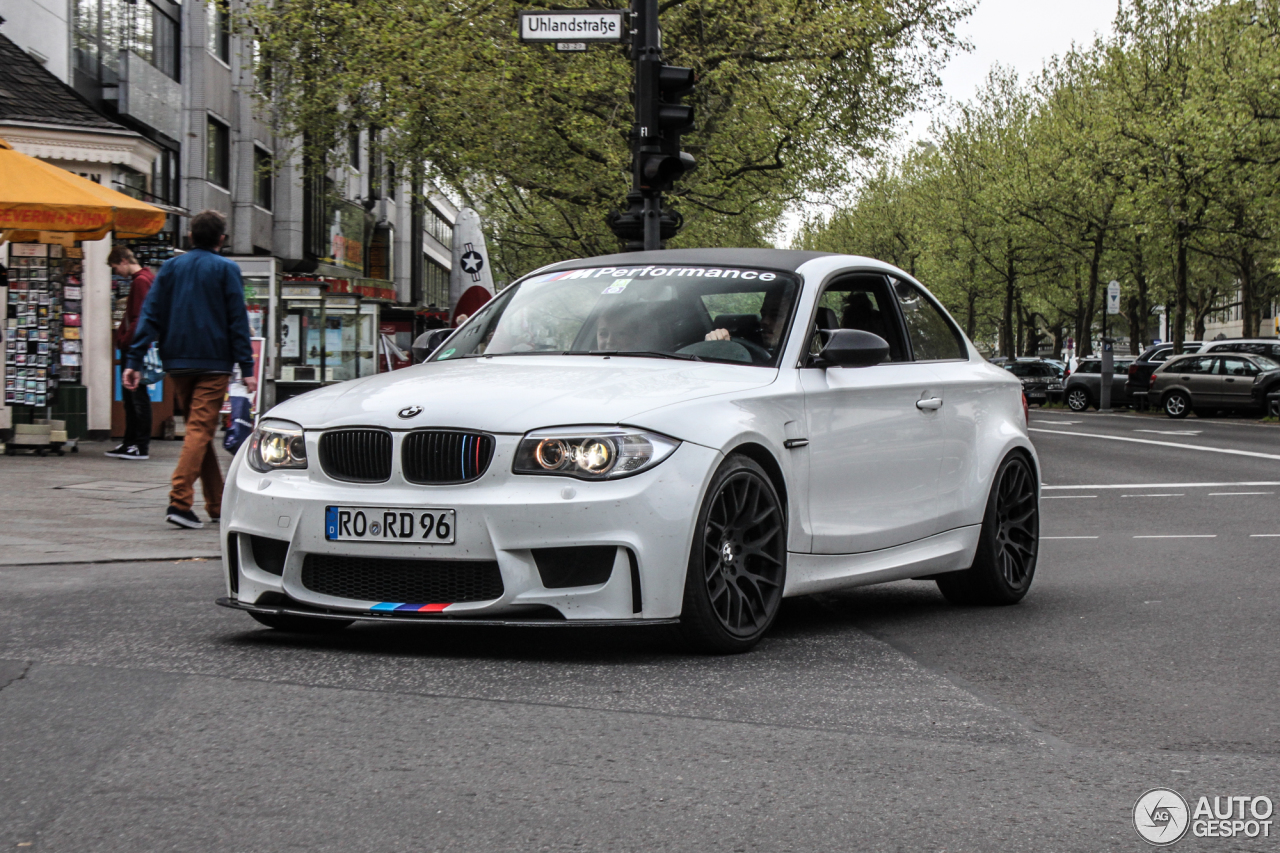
683 437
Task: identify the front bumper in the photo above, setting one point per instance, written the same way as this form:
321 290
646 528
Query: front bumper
500 517
295 609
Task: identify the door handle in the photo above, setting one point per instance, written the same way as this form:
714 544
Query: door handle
1230 380
932 404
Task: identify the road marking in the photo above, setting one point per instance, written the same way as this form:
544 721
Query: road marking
1172 431
1264 535
1225 494
1168 485
1169 495
1226 450
1067 497
1059 423
1068 537
1180 536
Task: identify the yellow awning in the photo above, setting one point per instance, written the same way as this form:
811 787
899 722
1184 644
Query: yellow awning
35 197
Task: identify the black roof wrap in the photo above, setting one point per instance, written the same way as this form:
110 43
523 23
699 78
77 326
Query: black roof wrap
778 259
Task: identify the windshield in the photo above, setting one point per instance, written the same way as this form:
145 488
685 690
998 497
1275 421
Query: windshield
1266 363
724 314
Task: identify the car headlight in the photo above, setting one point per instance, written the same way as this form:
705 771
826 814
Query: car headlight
591 453
1055 386
275 445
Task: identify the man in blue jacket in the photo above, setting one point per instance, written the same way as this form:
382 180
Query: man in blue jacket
196 311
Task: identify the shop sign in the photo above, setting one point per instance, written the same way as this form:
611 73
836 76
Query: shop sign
300 291
346 237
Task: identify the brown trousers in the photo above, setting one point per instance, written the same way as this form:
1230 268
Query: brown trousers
200 395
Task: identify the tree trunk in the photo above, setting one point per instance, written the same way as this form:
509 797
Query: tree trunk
1007 344
1019 345
1144 297
1178 333
1248 313
971 317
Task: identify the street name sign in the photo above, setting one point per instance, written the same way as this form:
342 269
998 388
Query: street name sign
1113 298
566 27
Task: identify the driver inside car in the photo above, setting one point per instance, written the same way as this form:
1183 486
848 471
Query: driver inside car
770 322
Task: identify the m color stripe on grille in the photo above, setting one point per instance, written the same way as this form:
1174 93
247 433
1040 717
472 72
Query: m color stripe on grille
408 608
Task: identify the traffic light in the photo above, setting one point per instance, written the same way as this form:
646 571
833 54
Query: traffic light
660 168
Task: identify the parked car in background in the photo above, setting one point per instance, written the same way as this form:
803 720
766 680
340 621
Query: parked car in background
1139 376
1204 383
1083 387
1041 382
1257 346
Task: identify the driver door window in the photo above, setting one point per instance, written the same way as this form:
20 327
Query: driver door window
859 302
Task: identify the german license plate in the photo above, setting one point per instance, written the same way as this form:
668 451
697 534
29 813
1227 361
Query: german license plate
389 524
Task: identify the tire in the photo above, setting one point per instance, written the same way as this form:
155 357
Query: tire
301 624
1008 545
738 561
1078 399
1176 404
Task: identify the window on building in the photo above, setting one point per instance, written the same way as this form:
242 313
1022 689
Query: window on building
103 28
218 156
263 175
353 147
438 227
391 180
435 287
219 27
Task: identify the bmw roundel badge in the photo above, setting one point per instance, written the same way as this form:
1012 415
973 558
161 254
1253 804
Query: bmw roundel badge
410 412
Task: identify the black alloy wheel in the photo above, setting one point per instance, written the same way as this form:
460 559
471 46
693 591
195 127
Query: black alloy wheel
1008 545
1177 404
738 563
1078 399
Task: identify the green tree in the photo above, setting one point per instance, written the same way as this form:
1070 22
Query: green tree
789 92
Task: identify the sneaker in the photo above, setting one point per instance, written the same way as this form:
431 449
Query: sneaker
133 452
183 518
117 453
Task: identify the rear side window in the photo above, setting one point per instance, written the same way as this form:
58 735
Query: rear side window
1203 364
1089 367
932 336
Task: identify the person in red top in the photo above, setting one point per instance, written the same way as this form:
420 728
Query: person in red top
137 403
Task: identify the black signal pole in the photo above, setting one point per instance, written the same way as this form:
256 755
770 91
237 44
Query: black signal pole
647 52
660 118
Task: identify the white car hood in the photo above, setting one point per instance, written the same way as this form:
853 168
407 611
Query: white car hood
513 394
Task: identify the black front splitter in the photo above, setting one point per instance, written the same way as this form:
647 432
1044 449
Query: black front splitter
434 618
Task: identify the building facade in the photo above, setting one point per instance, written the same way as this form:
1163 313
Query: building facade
341 269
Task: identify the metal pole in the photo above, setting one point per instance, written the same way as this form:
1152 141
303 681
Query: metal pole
1108 364
652 221
648 58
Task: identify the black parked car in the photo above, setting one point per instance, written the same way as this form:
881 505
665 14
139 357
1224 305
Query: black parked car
1084 385
1041 382
1139 379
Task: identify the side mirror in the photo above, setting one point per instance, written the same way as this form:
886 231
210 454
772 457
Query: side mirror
427 343
853 348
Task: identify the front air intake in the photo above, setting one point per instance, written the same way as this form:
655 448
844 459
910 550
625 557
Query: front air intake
402 580
438 457
356 455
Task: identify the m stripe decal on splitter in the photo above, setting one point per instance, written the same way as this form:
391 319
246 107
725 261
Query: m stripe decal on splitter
401 607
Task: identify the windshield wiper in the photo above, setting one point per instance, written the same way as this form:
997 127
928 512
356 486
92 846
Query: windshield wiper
681 356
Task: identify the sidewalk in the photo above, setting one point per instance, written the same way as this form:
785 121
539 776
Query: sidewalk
84 507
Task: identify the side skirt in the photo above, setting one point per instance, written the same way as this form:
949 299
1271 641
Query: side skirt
951 551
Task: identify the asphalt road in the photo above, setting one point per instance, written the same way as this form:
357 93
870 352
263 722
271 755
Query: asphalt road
136 716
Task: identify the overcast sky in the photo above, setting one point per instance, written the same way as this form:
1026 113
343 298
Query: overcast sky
1017 33
1021 34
